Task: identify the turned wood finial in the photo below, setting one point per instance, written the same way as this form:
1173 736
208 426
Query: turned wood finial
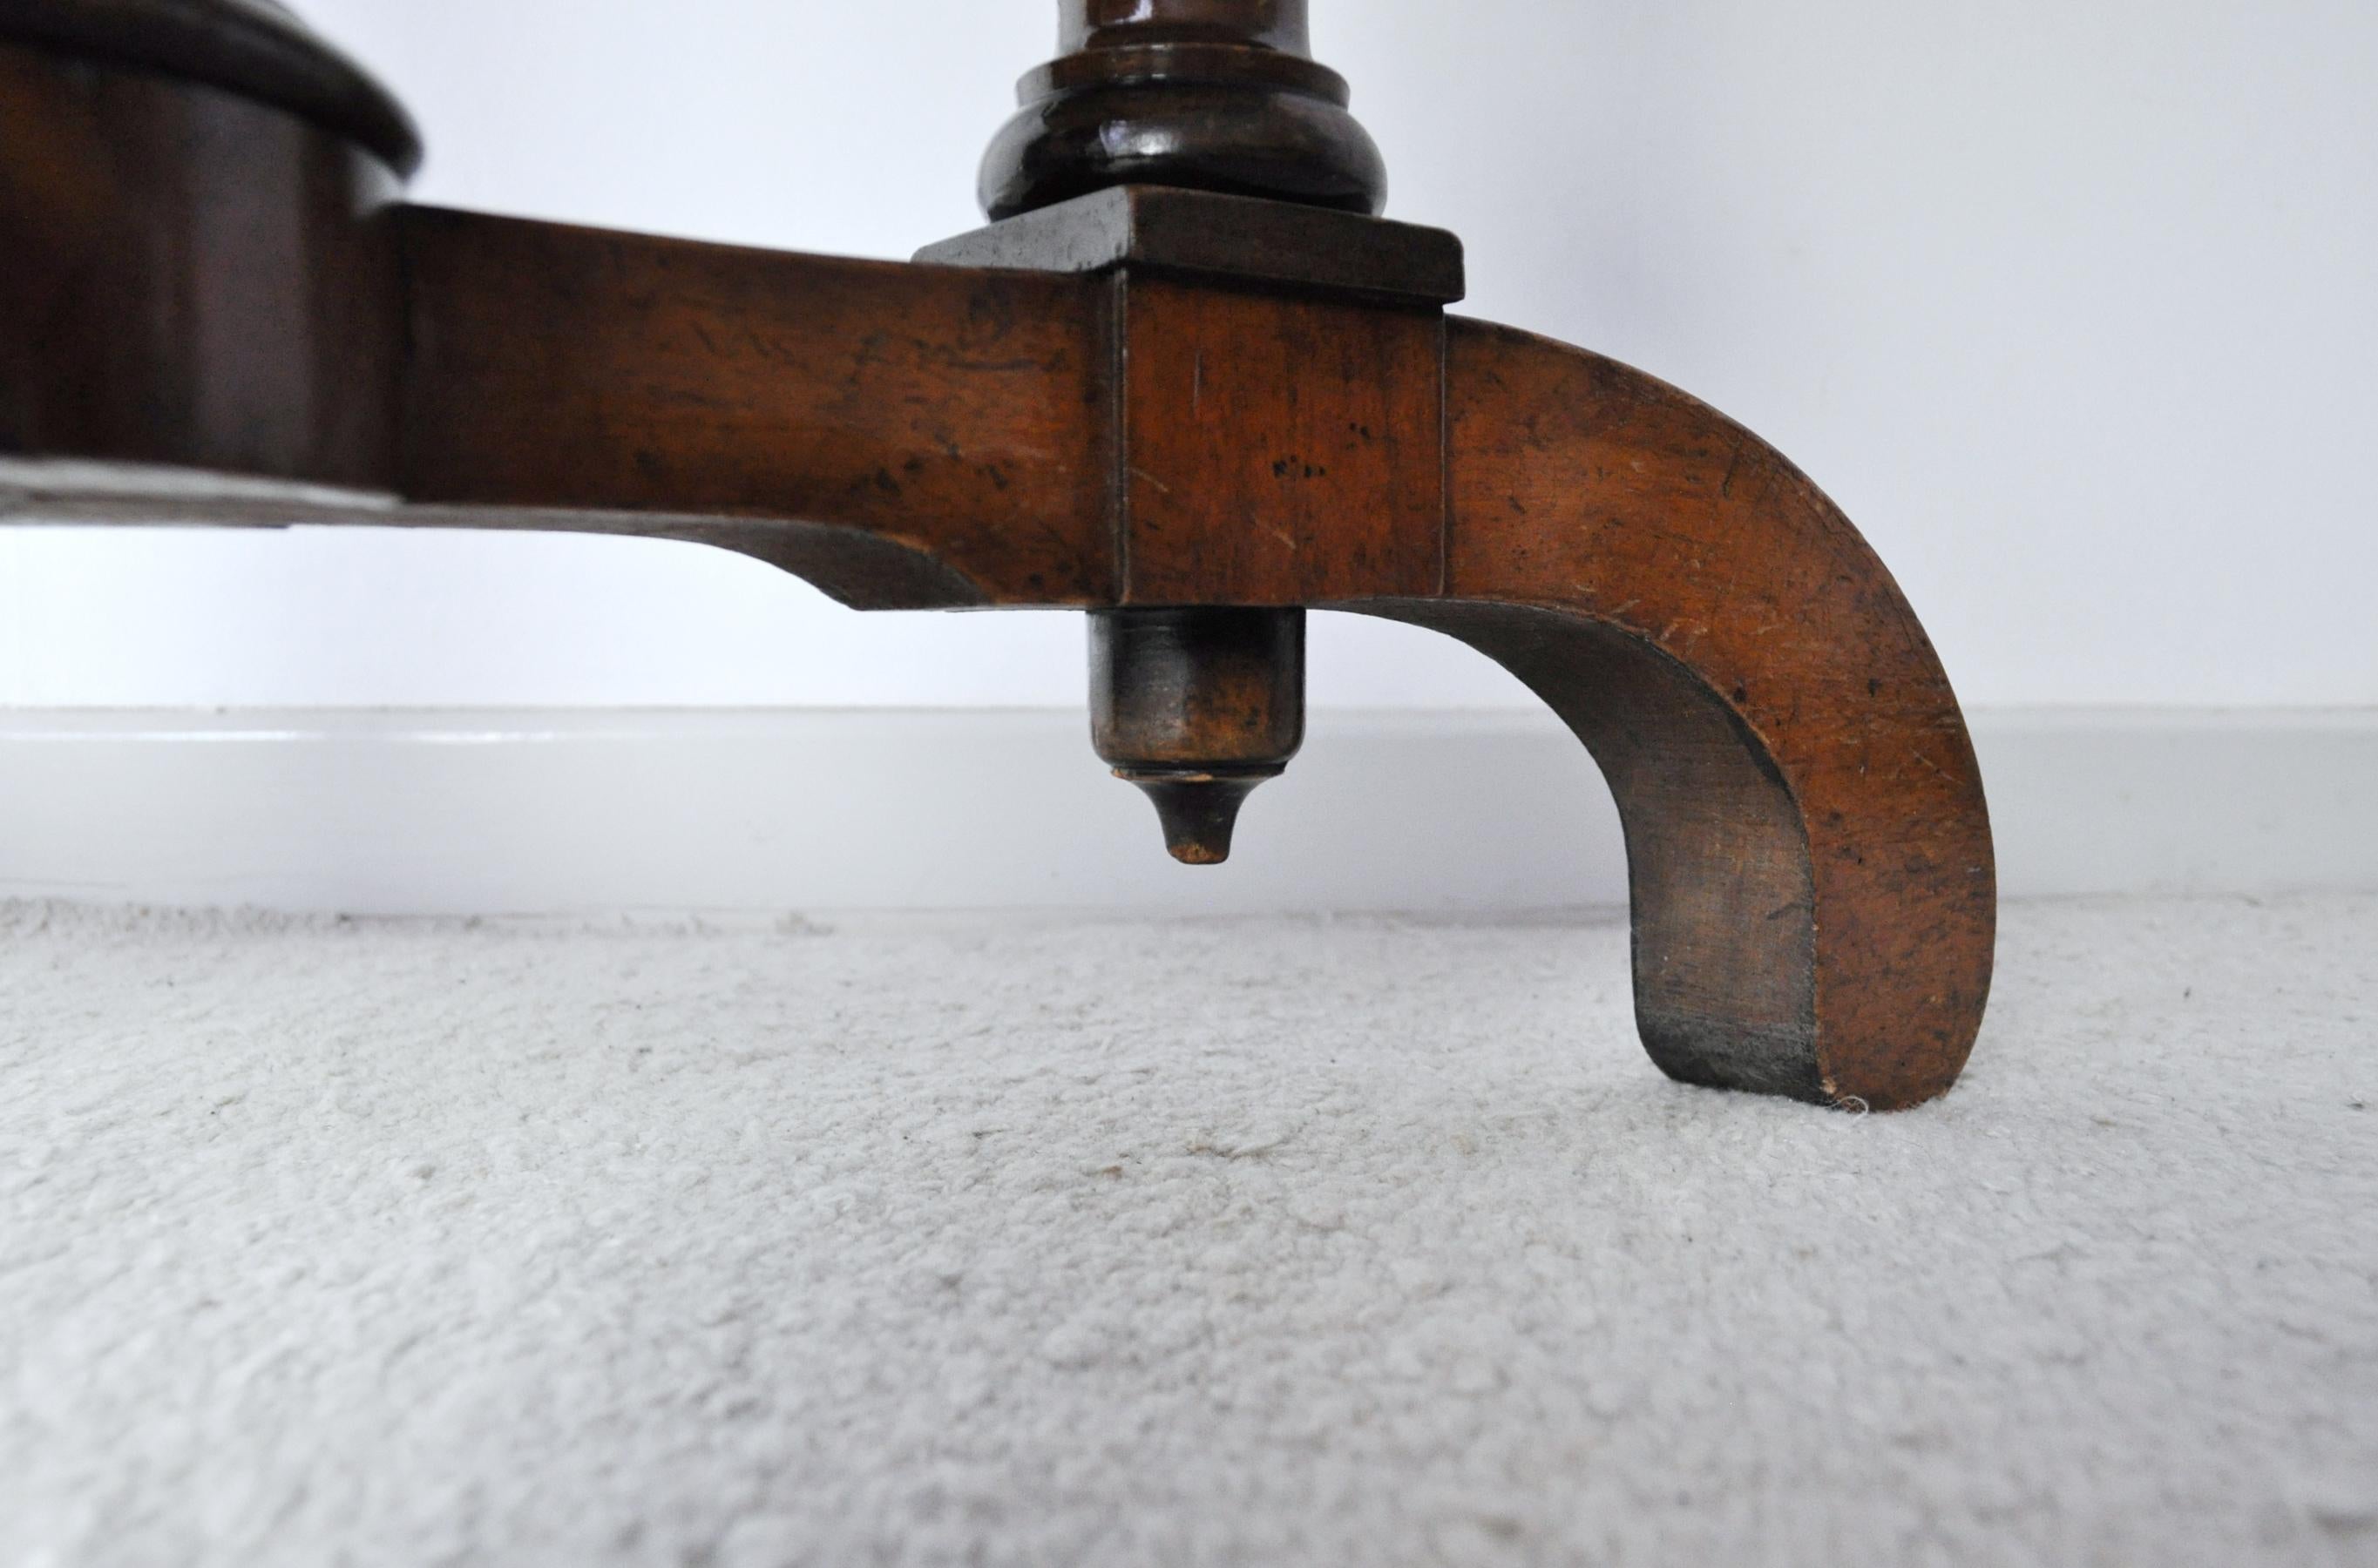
1217 95
1194 705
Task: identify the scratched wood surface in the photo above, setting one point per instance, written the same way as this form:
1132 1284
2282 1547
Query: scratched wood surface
947 426
1815 894
1279 448
201 282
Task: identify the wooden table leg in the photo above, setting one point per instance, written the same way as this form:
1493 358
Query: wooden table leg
1191 411
1808 844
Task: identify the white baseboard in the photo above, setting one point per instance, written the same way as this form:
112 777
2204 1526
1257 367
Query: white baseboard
479 811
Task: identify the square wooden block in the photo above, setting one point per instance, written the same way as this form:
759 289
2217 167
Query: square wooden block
1277 449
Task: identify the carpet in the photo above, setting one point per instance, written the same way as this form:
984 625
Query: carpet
962 1240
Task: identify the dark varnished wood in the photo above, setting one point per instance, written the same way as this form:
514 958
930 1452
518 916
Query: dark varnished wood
218 286
191 278
251 49
1277 450
1815 896
1154 229
1281 25
1279 368
1197 706
956 417
1217 95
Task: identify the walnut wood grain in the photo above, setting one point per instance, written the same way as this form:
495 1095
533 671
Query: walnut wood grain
221 291
1814 890
842 414
1277 449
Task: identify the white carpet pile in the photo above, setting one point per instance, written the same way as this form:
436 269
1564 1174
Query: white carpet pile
1364 1241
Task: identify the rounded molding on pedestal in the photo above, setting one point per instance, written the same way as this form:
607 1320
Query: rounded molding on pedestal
255 49
1217 95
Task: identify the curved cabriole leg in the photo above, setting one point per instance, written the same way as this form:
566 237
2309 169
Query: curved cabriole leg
1814 894
1723 952
219 309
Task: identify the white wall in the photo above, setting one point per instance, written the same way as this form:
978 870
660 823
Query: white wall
2071 304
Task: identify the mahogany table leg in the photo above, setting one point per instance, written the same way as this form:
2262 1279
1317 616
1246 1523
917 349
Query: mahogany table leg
1192 406
1808 848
